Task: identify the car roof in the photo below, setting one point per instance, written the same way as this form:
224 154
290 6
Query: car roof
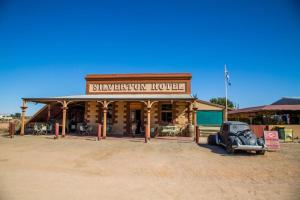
235 123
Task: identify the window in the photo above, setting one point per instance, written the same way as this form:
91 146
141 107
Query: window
166 113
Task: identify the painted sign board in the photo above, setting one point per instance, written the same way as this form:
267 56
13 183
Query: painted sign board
288 135
272 140
134 87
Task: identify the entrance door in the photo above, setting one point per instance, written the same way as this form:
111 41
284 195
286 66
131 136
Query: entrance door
136 122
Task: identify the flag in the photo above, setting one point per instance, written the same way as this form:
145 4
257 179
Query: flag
227 78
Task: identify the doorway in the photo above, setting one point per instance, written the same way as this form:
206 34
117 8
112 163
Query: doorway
136 122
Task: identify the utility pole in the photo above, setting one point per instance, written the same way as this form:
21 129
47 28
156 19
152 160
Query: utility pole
226 88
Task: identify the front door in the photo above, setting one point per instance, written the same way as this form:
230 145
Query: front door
136 122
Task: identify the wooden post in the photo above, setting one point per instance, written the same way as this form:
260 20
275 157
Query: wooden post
148 126
49 113
105 104
197 135
104 122
64 108
195 122
148 123
56 130
146 134
12 129
99 131
225 115
23 107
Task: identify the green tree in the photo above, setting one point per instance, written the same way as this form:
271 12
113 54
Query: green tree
16 115
222 101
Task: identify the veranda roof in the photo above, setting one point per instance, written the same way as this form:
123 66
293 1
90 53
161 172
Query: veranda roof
113 97
267 108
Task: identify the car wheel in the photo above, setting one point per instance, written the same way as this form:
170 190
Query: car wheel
211 140
260 152
229 148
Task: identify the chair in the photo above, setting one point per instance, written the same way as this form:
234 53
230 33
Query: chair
81 129
49 128
84 130
35 129
43 130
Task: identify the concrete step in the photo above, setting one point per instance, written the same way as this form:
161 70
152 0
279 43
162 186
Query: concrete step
206 131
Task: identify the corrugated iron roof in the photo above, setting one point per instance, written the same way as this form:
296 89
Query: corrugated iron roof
288 101
267 108
129 97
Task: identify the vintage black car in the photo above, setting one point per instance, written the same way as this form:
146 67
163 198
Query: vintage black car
237 136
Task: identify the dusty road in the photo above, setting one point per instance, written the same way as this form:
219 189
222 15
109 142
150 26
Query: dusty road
38 167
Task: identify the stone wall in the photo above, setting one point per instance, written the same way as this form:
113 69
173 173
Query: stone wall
91 114
118 125
122 109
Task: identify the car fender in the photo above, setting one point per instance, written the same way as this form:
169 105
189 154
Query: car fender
217 139
231 139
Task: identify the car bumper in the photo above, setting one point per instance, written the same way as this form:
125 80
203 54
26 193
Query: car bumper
248 147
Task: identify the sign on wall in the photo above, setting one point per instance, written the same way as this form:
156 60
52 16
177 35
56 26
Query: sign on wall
129 87
272 140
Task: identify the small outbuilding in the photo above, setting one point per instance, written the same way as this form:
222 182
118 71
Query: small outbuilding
284 113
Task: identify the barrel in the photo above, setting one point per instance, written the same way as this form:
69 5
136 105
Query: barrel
281 132
191 130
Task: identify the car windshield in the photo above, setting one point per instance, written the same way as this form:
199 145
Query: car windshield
234 128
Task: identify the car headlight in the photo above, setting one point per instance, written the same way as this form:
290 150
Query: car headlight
260 142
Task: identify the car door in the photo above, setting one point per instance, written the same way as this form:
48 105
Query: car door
221 133
225 133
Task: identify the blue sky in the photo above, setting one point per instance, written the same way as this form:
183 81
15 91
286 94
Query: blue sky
47 47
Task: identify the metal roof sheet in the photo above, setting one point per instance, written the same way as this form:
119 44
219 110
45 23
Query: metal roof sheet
129 97
267 108
288 101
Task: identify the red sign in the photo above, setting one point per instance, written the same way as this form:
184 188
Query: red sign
272 140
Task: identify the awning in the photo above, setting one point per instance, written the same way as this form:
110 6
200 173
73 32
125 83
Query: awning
113 97
267 108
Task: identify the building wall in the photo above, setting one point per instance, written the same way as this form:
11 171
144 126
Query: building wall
203 106
296 129
183 114
91 114
118 125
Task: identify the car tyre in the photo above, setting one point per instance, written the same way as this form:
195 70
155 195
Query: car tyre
229 148
261 152
211 140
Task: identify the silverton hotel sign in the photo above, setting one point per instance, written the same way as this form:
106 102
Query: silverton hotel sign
129 87
165 83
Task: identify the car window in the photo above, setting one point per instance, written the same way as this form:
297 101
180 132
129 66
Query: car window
225 127
238 127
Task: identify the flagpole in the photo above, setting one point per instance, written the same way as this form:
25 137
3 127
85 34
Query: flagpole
226 85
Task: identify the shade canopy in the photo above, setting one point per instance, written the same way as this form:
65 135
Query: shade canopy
113 97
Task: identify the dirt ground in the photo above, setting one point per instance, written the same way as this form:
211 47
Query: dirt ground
38 167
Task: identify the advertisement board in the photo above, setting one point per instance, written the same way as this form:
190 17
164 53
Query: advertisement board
272 140
288 135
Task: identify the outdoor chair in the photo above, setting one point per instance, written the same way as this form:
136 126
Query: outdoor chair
170 130
49 128
85 130
43 130
35 129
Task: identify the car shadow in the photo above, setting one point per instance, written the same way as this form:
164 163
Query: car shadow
5 135
221 151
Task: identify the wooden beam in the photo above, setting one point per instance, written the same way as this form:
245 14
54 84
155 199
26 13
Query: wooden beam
23 107
64 108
